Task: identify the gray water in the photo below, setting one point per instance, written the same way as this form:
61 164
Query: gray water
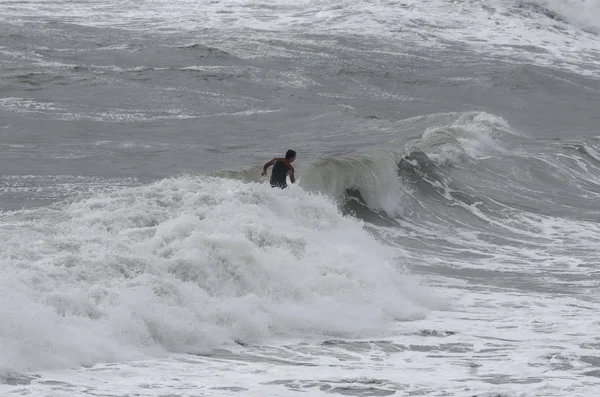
110 103
136 225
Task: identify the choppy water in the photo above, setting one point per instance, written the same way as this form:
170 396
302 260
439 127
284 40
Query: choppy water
441 241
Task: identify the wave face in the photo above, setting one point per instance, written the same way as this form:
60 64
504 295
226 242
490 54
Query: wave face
385 178
474 193
462 160
186 265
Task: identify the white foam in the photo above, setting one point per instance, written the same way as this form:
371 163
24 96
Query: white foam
185 265
56 112
582 13
28 105
497 343
466 136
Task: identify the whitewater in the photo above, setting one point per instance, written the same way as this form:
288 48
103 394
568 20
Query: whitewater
441 239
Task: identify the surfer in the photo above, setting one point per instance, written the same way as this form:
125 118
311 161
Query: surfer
281 167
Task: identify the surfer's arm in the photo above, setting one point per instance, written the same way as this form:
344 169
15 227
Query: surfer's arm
266 166
292 177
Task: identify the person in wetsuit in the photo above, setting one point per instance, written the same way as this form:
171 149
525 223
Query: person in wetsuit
281 168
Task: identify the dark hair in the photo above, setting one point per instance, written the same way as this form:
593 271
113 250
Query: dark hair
290 153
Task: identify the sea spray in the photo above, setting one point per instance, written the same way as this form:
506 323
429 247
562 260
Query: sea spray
185 265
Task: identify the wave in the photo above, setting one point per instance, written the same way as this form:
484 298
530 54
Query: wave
384 178
579 13
588 146
381 183
190 263
470 166
541 32
185 265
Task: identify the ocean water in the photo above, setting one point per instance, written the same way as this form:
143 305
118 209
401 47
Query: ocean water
442 239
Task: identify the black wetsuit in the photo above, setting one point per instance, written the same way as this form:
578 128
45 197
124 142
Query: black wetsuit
279 174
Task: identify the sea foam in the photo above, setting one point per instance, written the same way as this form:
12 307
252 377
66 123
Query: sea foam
185 265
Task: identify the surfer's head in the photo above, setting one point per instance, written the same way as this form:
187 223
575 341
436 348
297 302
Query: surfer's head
290 155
